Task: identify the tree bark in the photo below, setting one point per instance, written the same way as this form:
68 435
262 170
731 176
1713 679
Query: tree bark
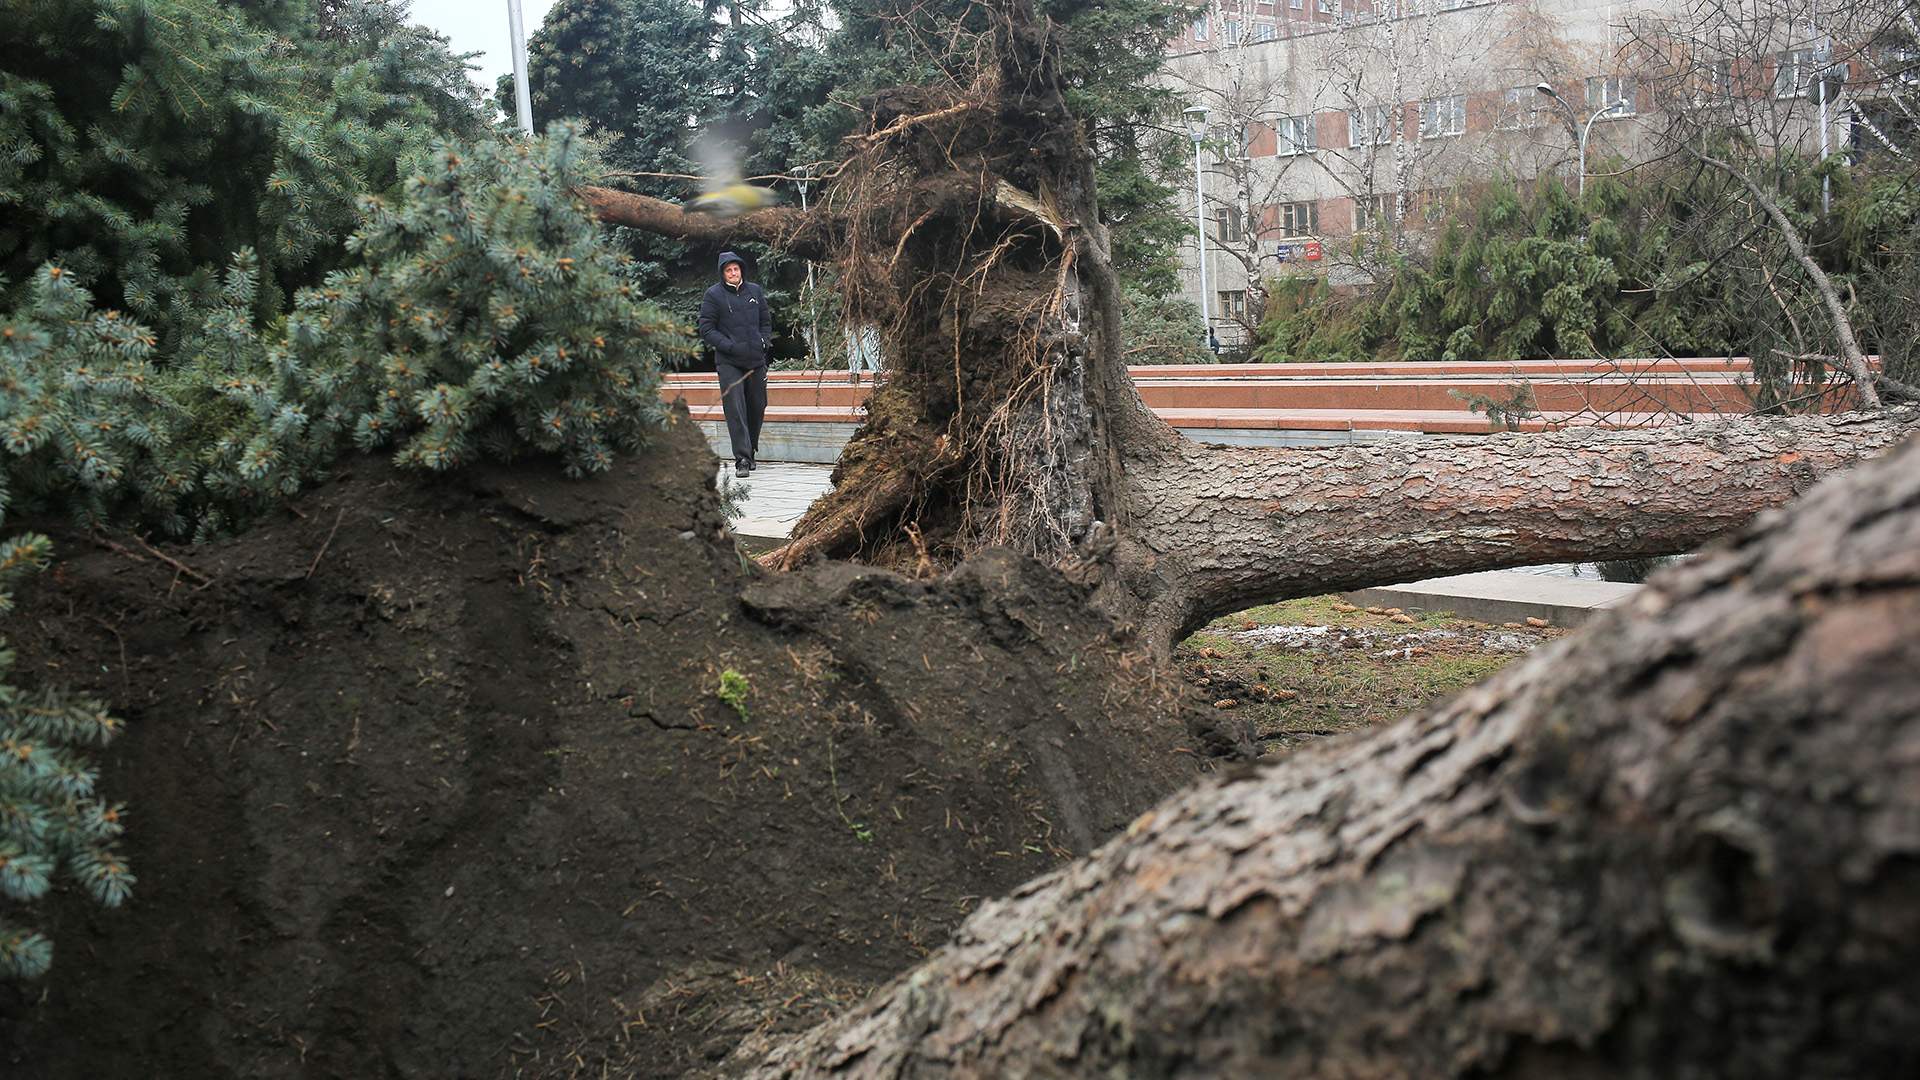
776 226
1221 528
1683 844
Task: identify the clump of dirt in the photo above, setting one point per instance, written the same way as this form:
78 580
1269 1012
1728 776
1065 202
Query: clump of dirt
505 775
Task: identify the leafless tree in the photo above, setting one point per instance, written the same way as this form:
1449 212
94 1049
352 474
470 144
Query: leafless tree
1755 91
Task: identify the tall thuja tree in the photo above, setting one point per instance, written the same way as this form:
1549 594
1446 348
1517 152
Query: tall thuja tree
1529 273
147 140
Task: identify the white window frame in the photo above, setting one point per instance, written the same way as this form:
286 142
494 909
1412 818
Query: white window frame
1293 135
1287 218
1901 64
1797 69
1443 117
1519 109
1297 5
1370 212
1264 30
1230 224
1326 7
1200 28
1370 121
1716 88
1604 90
1233 304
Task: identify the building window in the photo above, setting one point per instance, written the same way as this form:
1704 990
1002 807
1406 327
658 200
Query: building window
1232 224
1295 4
1233 304
1519 109
1432 206
1372 124
1264 31
1294 134
1713 84
1327 7
1606 91
1901 63
1372 212
1298 218
1441 117
1200 28
1794 76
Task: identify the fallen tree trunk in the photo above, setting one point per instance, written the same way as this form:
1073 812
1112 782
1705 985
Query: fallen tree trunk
1225 528
668 219
1685 843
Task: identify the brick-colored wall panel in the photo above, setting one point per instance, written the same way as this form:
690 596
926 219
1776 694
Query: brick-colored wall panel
1336 216
1482 110
1330 129
1263 141
1269 217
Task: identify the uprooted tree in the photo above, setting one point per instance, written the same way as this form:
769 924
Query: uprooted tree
965 226
1683 844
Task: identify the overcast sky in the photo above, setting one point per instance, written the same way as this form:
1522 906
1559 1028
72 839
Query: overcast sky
479 26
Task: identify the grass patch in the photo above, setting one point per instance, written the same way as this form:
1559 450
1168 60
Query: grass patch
1366 667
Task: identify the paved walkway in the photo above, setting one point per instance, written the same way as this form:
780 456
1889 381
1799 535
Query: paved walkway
778 492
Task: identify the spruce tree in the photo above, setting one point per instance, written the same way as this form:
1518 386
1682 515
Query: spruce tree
142 142
51 822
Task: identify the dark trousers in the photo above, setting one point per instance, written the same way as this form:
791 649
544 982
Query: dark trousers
743 397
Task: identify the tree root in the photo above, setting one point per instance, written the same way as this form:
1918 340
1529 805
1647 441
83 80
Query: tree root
877 480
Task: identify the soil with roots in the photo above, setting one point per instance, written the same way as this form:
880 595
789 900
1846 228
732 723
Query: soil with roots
507 775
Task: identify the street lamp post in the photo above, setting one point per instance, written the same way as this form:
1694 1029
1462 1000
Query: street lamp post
813 302
1197 128
1831 81
517 32
1586 130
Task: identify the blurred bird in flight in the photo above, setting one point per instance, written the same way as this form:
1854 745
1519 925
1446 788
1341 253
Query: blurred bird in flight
726 195
733 200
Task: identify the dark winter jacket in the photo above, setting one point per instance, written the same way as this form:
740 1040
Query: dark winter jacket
736 322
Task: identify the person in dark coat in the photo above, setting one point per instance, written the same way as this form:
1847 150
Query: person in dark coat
734 320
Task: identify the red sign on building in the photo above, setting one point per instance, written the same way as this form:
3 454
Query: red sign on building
1313 250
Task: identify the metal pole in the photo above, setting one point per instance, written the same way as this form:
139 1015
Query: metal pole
1587 132
1200 227
522 99
1826 182
813 302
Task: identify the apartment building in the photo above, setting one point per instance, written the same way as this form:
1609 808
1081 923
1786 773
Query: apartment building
1332 127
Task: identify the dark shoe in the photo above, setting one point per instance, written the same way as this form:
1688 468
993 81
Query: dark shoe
743 467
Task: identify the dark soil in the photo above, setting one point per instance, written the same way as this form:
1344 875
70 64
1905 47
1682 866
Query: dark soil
435 779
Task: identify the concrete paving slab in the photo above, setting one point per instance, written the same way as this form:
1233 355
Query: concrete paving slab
778 493
1500 596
